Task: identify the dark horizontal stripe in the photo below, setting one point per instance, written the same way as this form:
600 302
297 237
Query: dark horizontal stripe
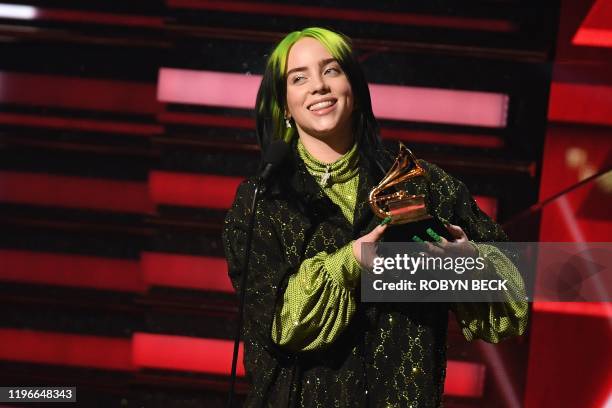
86 125
128 225
85 35
507 9
185 236
213 140
75 319
52 51
162 300
96 17
227 157
180 230
86 144
204 119
70 231
596 72
78 112
200 159
376 37
94 167
443 138
20 295
190 152
136 7
355 15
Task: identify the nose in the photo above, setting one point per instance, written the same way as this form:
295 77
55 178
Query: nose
318 84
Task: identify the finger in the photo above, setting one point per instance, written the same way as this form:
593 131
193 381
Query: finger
376 233
442 243
455 230
433 234
433 250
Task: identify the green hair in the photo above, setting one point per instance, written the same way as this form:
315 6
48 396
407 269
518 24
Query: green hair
272 95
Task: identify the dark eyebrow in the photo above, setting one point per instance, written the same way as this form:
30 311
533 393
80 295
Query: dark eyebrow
321 63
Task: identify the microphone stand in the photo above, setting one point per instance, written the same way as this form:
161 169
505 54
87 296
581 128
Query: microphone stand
243 290
273 156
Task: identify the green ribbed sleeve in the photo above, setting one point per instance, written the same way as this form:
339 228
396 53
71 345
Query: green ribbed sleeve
318 302
495 321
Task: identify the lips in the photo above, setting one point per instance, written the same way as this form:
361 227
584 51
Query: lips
322 104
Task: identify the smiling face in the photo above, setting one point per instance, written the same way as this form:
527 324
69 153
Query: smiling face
319 95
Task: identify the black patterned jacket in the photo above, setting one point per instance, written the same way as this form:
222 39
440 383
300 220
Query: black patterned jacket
391 354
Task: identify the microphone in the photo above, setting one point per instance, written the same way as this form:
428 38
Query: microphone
274 155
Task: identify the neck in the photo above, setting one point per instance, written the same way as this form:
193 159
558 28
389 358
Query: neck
327 150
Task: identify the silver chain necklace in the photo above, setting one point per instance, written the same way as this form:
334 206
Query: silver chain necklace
325 177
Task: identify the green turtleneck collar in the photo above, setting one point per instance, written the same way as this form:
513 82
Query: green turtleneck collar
339 171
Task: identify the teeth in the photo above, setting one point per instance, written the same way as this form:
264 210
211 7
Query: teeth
321 105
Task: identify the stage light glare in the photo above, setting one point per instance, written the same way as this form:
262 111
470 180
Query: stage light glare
18 12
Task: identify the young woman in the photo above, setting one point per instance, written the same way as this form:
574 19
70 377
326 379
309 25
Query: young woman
309 341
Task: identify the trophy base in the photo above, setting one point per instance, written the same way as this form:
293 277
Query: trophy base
400 219
406 209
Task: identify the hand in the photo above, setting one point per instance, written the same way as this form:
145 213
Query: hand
373 236
460 246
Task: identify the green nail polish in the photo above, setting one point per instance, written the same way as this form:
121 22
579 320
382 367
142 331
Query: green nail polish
433 235
415 238
386 221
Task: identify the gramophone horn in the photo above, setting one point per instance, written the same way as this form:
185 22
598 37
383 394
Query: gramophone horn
399 205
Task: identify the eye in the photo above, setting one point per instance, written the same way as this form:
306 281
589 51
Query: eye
297 78
336 70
